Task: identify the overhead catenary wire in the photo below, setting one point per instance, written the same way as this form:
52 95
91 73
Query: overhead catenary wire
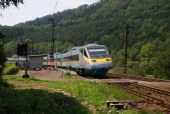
55 8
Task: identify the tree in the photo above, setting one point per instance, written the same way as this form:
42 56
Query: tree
147 54
6 3
162 66
147 51
2 55
133 54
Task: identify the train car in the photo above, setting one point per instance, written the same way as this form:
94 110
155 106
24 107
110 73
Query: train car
91 59
49 62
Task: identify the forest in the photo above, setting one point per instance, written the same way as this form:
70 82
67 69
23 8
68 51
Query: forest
104 23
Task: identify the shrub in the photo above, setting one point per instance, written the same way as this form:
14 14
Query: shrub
11 69
2 55
162 64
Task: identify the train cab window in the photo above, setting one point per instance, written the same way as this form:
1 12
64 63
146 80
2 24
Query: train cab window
98 52
85 53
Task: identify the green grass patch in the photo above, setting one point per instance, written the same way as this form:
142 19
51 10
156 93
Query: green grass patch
96 94
69 76
120 70
37 101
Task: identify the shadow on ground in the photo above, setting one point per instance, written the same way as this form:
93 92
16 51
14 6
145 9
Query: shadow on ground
97 76
17 101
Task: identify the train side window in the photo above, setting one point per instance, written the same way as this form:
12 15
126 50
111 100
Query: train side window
75 58
81 50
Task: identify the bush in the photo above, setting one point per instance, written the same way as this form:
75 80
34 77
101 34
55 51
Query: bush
2 55
11 69
162 65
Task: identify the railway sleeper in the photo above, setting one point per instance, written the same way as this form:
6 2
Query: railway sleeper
145 96
148 98
167 105
167 93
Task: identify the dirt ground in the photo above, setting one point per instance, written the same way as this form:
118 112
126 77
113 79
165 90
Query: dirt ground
58 74
44 74
47 74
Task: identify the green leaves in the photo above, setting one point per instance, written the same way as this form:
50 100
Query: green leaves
162 66
6 3
2 56
147 51
103 23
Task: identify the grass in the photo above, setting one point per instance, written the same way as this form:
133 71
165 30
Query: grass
120 70
69 76
37 101
38 96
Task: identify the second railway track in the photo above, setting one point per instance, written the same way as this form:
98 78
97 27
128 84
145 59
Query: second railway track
115 75
149 94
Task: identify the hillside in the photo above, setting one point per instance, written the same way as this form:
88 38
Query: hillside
104 23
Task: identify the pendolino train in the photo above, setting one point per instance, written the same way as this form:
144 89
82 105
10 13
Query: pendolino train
91 59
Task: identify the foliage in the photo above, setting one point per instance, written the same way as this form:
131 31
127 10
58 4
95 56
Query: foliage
2 55
104 23
147 51
42 101
11 48
68 75
11 69
38 101
133 54
118 58
95 94
162 64
6 3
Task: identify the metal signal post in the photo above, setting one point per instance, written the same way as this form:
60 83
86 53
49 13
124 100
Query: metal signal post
126 47
53 40
22 50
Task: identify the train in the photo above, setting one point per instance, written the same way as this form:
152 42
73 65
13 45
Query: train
93 59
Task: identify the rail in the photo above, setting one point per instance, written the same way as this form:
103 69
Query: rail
136 77
134 89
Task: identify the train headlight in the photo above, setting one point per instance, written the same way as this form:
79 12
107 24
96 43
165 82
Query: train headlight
93 61
108 59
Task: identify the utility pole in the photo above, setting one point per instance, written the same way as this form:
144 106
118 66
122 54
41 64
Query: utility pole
32 47
32 43
53 40
126 47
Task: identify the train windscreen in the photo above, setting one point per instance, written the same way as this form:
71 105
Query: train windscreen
97 52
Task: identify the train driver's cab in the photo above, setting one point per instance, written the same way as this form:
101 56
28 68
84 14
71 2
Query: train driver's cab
97 52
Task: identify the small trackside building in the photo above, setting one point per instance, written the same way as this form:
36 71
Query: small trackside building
35 62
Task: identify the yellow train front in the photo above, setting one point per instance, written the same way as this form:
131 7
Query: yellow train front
90 59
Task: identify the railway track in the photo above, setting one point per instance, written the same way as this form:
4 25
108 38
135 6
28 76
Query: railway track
149 94
110 75
155 99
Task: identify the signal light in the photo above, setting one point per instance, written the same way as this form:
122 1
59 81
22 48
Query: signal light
22 49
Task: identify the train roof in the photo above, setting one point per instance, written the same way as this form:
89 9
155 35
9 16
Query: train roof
88 45
94 45
79 47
